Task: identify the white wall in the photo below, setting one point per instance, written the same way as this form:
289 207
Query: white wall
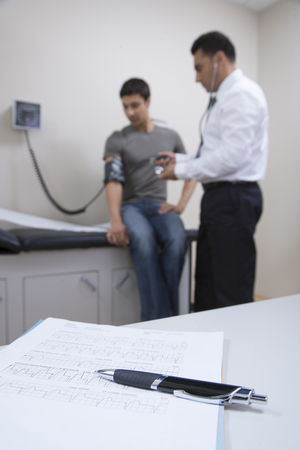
72 56
278 235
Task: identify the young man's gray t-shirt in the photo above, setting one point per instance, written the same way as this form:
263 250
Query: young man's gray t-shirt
133 147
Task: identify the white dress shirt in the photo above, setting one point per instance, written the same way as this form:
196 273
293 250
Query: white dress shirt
235 139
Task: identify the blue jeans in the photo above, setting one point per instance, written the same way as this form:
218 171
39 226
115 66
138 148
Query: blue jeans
157 245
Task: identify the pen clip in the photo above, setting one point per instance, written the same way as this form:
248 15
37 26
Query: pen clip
219 400
240 395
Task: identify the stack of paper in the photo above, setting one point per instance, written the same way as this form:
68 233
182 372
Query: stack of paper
51 397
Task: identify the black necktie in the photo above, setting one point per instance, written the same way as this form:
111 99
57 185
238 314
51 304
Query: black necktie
211 102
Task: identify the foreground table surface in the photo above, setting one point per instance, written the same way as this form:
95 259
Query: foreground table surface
261 351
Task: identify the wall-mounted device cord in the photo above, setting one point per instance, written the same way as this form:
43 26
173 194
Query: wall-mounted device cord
150 160
45 189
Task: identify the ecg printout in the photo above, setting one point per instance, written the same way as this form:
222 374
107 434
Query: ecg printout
51 397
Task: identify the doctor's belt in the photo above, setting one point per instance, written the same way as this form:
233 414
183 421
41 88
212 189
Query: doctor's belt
216 184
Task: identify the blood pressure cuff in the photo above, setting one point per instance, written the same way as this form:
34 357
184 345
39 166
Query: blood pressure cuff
114 171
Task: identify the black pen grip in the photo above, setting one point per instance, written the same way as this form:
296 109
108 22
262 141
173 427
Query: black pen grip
134 378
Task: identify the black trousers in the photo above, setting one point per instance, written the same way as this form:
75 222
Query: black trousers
226 255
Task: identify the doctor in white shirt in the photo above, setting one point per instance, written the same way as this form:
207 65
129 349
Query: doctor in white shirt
231 159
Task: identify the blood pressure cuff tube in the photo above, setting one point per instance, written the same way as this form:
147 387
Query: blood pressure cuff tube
114 171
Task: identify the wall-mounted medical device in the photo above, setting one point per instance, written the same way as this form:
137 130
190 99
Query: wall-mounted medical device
26 115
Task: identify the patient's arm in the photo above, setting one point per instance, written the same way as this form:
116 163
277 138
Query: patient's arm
117 234
187 191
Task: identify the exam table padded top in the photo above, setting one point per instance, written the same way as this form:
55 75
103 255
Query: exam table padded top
29 239
38 239
9 243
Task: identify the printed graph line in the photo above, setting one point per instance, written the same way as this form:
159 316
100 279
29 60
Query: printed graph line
72 376
111 352
104 399
66 361
55 374
144 344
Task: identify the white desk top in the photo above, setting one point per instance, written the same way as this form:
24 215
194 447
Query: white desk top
261 351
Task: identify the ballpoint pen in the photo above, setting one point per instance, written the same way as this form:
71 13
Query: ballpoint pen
197 390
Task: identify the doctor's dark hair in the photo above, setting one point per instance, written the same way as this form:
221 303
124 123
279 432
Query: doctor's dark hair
135 86
211 43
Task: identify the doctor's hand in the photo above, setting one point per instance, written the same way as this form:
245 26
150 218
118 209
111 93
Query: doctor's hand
165 158
168 173
118 234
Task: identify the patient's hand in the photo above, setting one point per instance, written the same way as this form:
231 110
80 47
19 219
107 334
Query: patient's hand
166 207
118 235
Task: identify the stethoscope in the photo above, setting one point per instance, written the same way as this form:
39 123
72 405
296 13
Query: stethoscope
206 112
158 169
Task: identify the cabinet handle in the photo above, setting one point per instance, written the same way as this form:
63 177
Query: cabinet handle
122 280
88 282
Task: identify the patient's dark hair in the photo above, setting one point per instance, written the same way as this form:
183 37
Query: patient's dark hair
135 86
211 43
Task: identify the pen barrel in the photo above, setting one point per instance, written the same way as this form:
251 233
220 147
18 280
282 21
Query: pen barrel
196 387
134 378
218 393
198 390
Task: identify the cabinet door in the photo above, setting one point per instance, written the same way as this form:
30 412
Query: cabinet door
72 296
3 300
125 297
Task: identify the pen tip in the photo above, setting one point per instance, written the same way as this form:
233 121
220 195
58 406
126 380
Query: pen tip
107 374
